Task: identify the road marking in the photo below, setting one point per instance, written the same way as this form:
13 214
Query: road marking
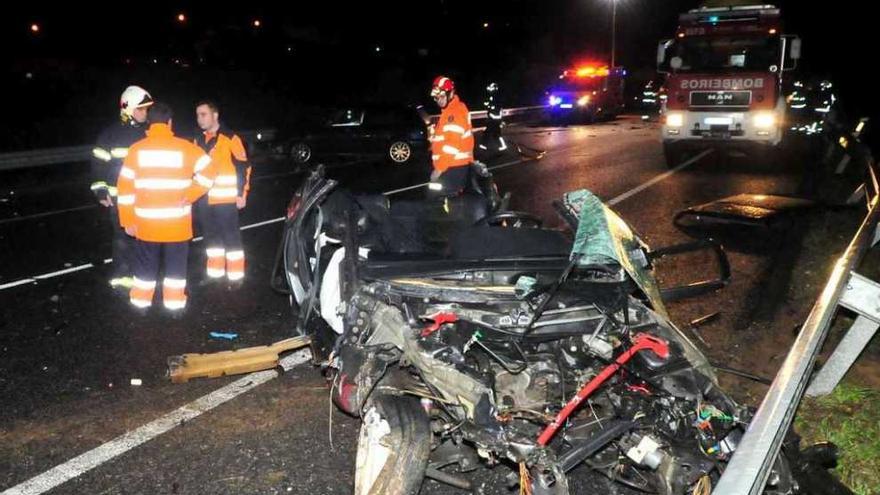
99 455
425 184
612 202
88 207
46 214
665 175
44 276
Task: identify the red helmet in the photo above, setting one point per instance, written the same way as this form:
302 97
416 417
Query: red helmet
444 84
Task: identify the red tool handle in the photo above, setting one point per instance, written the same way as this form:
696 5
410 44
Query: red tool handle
439 319
641 342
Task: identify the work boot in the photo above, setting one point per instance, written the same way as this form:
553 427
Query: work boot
121 283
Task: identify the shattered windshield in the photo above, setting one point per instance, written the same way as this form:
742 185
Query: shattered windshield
603 238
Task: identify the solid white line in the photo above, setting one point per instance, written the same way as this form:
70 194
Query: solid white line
632 192
44 276
425 184
99 455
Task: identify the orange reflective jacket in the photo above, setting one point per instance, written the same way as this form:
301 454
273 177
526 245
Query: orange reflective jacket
158 183
229 159
452 138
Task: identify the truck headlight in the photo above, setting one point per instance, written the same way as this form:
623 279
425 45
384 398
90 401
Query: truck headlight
583 100
675 120
764 120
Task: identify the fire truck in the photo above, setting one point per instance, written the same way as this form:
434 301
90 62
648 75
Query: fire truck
587 92
724 75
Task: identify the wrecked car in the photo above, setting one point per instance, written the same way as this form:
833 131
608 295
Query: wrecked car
462 337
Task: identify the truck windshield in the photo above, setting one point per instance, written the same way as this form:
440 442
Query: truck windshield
708 54
580 84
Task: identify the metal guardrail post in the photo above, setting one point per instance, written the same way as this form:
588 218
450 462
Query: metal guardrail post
751 464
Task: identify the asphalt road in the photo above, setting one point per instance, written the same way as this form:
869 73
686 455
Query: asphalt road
69 348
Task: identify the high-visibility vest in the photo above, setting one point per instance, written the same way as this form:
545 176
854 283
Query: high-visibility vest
158 183
452 138
229 159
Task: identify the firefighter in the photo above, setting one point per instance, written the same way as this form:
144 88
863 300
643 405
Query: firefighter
492 139
218 212
107 156
452 140
160 179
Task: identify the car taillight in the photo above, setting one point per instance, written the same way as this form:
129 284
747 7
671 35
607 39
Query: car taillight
293 206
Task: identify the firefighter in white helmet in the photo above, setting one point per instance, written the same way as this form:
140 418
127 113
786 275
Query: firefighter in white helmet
107 157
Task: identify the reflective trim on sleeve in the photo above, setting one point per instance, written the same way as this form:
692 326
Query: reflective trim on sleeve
119 152
98 185
126 172
223 192
112 191
467 134
102 154
126 199
202 163
435 157
450 150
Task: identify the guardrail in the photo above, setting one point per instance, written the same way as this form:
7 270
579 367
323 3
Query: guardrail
71 154
751 464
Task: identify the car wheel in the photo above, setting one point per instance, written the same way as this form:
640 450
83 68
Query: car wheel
393 447
301 153
400 152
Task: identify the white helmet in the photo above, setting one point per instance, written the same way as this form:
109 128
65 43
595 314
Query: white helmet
133 97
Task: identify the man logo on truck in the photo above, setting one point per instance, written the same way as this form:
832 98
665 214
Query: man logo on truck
748 83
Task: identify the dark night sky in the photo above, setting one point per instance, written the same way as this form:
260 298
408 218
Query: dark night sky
332 44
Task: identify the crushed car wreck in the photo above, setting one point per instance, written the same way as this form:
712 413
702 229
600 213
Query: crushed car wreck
505 342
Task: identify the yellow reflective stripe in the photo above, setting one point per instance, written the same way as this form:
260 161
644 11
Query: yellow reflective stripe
98 185
112 191
126 172
102 154
119 152
127 199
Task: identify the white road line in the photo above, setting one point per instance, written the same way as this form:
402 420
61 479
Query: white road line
86 266
99 455
425 184
88 207
46 214
612 202
632 192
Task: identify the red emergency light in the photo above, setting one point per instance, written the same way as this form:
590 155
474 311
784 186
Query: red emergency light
588 71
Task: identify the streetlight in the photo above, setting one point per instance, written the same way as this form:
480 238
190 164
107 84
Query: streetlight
35 28
613 33
181 17
257 23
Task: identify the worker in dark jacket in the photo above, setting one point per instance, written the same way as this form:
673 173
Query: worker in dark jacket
492 139
107 157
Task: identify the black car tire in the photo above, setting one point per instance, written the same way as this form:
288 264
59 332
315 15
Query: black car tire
393 446
301 152
399 151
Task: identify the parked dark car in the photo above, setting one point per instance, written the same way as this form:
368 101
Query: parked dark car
396 134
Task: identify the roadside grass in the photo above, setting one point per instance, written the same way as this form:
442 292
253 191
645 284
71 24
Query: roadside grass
849 418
